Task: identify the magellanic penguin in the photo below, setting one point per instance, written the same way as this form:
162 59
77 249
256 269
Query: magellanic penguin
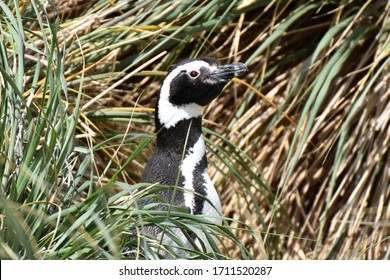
180 158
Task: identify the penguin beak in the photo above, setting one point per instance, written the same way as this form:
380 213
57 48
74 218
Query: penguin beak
229 71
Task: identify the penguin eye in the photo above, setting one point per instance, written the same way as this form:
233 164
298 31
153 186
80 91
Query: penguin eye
193 74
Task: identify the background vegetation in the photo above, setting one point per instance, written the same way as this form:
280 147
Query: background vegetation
298 149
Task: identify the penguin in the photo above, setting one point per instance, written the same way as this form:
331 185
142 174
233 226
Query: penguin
179 158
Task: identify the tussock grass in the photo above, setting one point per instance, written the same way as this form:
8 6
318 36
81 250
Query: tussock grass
298 149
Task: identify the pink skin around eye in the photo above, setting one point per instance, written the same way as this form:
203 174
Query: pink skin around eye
194 74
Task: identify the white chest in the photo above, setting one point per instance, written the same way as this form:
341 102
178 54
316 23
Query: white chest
212 203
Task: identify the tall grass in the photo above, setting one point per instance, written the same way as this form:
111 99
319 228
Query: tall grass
298 149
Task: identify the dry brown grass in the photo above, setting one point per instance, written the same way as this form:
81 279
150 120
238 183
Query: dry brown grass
307 161
327 171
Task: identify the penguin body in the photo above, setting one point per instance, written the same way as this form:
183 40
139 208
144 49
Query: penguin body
180 158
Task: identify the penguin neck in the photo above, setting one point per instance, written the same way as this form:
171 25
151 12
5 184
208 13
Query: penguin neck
183 135
177 127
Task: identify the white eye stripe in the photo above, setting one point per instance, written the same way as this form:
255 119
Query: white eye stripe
192 66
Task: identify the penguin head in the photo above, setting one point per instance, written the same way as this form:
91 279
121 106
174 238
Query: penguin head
192 84
200 81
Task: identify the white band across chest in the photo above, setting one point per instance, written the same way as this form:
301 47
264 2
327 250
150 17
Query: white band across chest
188 166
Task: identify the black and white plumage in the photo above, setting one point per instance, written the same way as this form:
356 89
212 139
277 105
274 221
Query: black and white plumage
180 155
